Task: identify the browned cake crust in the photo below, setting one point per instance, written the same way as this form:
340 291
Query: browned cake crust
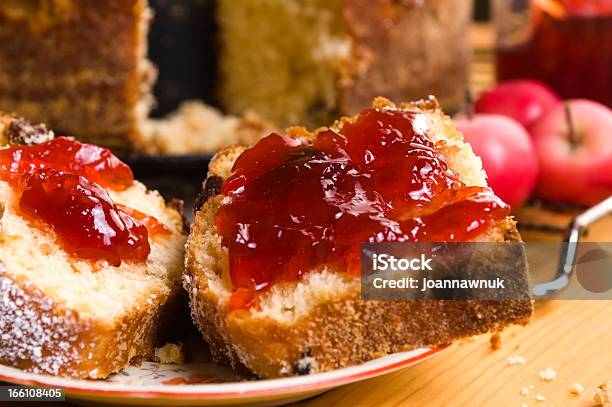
38 334
78 66
339 332
41 336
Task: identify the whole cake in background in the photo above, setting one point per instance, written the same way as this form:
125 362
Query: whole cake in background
306 61
79 66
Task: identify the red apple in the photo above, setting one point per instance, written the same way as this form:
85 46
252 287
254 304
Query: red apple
507 153
575 167
524 100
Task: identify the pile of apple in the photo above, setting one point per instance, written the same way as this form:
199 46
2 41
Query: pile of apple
534 144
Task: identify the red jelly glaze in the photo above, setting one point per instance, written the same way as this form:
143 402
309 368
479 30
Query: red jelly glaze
97 228
95 163
154 226
293 206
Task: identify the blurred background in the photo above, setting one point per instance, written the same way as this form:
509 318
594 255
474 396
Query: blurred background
533 77
183 30
528 82
515 33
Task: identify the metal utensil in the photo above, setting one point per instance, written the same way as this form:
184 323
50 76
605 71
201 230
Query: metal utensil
567 258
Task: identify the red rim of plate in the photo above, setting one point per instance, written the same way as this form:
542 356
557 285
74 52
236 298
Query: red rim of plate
178 391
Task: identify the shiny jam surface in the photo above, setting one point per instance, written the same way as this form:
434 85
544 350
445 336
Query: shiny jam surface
293 206
154 226
61 184
95 163
84 216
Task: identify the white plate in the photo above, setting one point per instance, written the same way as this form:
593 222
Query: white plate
206 384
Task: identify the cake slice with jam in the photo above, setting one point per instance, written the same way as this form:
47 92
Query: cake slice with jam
90 260
273 259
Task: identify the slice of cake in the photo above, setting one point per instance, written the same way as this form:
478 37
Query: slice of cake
273 269
308 61
78 66
90 260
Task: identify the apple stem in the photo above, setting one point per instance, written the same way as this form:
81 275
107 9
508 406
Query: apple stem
469 103
573 137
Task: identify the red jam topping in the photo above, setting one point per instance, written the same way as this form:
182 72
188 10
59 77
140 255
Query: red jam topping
95 163
61 185
154 226
293 206
85 218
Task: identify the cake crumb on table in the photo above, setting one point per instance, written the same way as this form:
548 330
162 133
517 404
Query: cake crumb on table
602 396
576 389
540 397
516 360
495 341
525 391
548 374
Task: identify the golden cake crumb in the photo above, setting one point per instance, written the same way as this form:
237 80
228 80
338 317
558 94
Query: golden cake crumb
495 341
548 374
170 353
576 389
524 391
540 397
516 360
602 396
